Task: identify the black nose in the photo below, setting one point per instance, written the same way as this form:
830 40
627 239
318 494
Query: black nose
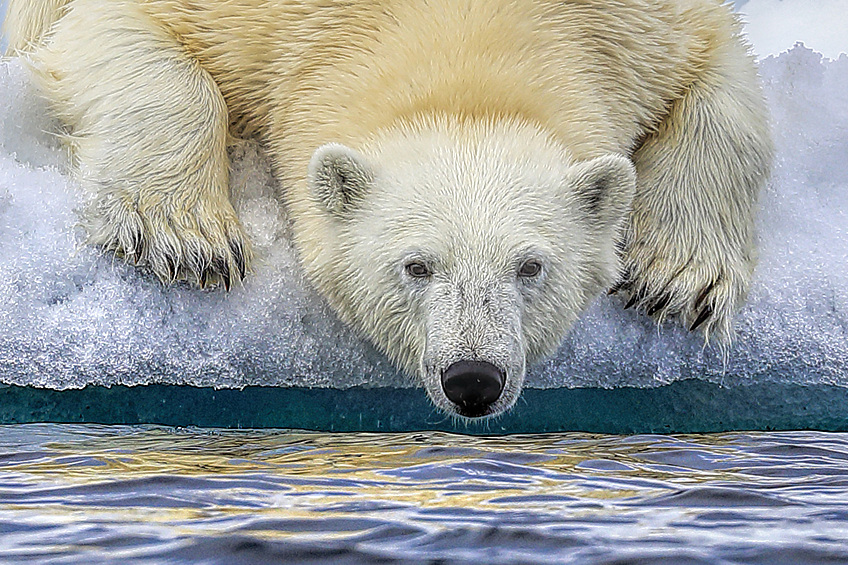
472 386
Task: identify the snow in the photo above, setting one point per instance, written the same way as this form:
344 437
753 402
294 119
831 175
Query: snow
70 315
774 26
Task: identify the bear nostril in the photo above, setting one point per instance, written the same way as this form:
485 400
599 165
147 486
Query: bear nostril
472 386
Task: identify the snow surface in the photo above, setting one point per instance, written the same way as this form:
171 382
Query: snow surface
774 26
70 315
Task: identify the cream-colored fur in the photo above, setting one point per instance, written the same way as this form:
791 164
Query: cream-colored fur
25 23
147 89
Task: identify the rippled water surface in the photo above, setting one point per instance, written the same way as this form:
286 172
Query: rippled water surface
105 494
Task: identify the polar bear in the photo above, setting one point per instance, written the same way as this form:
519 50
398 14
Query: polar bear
464 176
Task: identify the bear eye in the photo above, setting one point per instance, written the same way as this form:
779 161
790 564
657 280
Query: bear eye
417 269
530 269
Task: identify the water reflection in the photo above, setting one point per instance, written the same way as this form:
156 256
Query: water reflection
149 494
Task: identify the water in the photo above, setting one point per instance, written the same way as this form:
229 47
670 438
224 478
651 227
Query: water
91 494
98 494
104 494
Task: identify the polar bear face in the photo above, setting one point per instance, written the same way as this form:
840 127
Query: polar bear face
467 252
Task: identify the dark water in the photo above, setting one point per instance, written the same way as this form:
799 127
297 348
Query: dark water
106 494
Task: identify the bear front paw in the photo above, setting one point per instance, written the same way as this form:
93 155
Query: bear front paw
202 244
704 294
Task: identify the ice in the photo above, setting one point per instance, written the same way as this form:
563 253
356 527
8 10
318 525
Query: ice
773 26
70 315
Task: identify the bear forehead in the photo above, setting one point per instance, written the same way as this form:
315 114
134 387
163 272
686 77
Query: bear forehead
482 197
459 149
502 178
492 230
478 193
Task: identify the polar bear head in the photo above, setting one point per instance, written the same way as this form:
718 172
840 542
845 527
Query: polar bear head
466 250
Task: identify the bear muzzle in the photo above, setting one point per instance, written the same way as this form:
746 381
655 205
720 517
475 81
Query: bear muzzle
473 386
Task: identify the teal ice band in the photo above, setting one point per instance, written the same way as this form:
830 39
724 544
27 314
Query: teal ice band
688 406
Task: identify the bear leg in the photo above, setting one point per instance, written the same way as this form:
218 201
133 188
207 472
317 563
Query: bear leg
690 249
148 128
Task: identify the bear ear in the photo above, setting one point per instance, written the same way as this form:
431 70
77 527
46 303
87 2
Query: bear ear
604 187
339 177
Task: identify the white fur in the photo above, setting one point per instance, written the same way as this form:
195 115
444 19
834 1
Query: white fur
148 131
465 201
465 134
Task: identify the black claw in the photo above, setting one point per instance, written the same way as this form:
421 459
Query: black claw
625 283
204 278
703 294
171 266
616 287
659 304
223 269
702 317
634 298
238 253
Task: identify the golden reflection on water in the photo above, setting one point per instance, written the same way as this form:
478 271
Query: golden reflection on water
365 458
141 483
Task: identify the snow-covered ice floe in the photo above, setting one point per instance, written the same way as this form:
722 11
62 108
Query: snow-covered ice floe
71 315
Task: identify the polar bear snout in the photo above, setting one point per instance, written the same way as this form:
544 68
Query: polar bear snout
473 386
473 360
